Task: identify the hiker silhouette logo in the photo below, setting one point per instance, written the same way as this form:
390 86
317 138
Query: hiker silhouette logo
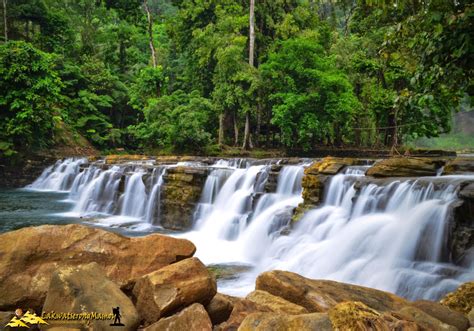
117 316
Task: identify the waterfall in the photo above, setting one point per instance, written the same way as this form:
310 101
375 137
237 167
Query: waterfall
152 213
391 237
58 177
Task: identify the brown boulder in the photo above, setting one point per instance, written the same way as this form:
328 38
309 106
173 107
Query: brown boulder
404 167
275 303
279 322
86 289
220 308
321 295
461 300
192 318
425 320
30 255
358 316
242 308
174 287
443 313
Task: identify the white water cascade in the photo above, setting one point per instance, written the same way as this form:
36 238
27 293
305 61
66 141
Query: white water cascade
58 177
391 237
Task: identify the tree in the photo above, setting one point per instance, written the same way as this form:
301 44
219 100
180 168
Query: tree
247 140
29 97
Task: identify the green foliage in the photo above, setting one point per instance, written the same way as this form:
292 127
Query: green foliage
29 95
312 100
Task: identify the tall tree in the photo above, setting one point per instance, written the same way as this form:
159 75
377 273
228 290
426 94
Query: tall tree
5 26
247 141
150 33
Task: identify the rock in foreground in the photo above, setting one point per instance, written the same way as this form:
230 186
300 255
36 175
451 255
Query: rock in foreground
30 255
322 295
86 289
192 318
171 288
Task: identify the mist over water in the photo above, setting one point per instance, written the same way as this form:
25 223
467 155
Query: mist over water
391 235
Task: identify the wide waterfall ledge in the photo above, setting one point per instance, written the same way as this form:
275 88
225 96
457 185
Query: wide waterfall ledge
393 234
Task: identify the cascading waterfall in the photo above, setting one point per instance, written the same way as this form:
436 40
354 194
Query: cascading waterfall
58 177
391 237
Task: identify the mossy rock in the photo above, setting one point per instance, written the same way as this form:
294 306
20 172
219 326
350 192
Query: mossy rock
461 300
405 167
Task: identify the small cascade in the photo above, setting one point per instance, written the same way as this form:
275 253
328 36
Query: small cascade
391 237
97 191
58 177
153 206
134 196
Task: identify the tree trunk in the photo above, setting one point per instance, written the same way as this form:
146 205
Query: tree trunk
150 33
5 23
221 129
247 143
236 131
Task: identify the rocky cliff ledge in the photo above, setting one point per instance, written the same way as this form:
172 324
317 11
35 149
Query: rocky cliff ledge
158 285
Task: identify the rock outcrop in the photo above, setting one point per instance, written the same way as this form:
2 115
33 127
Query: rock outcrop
220 308
316 177
281 322
85 288
192 318
459 166
322 295
461 239
443 313
275 303
405 167
181 192
165 291
30 255
242 308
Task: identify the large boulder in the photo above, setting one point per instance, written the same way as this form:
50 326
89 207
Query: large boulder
461 240
425 320
165 291
275 303
192 318
86 289
281 322
220 308
443 313
405 167
461 300
242 308
321 295
30 255
358 316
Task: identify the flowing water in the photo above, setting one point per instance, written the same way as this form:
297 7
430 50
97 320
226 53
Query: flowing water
390 235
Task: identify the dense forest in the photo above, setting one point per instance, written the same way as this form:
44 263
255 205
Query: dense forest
192 76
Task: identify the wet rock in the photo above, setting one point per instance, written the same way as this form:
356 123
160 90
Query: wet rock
123 158
192 318
279 322
171 288
460 165
461 300
331 165
461 240
220 308
405 167
358 316
242 308
275 303
425 320
5 317
30 255
180 193
321 295
443 313
470 317
79 289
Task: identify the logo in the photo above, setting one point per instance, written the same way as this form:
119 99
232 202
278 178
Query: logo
116 312
25 320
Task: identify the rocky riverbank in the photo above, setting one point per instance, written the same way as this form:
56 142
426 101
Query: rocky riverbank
158 285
